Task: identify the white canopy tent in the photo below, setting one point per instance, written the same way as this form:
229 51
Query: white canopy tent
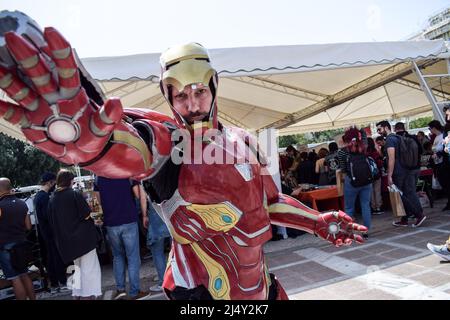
296 89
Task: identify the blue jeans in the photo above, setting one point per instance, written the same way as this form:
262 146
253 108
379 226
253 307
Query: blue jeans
157 233
5 263
350 194
124 240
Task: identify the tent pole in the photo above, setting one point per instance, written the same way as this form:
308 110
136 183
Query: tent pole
437 112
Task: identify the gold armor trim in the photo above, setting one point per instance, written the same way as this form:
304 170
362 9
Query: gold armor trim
177 237
218 283
218 217
201 125
186 64
187 72
134 142
282 207
179 53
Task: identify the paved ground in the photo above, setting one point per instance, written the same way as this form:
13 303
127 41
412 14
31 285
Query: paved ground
393 264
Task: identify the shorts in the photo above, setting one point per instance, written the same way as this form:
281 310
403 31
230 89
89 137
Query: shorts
5 263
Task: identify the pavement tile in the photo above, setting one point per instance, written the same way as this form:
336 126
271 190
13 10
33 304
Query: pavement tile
279 260
432 278
315 294
442 267
353 254
284 273
322 275
406 269
373 294
378 248
429 261
408 240
428 234
399 253
294 283
346 286
374 260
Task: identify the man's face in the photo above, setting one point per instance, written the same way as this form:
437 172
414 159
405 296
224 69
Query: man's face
51 185
434 131
447 113
381 130
193 103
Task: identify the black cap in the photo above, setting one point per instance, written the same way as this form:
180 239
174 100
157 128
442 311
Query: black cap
48 176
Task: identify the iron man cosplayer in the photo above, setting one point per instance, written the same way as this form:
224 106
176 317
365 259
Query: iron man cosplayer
219 214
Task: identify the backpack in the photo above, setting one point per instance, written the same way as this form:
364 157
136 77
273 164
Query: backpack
360 169
408 151
376 174
331 161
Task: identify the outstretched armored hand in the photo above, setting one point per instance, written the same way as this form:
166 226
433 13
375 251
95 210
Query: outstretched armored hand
53 110
338 228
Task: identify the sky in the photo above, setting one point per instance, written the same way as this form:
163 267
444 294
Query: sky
111 27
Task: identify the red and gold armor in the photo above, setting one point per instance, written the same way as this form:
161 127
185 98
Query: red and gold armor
219 214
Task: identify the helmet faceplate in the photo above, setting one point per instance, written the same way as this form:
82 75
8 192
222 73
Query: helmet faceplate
184 65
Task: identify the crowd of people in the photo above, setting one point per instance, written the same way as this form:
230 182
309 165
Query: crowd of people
393 155
218 214
69 236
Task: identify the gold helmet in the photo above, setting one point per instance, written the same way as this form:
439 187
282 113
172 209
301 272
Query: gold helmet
184 65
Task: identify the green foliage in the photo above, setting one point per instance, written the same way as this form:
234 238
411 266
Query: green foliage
285 141
23 163
307 138
420 122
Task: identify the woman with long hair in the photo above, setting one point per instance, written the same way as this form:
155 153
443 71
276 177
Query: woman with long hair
320 167
75 236
353 163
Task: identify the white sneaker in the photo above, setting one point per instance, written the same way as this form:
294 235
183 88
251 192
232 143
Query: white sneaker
156 288
440 251
64 289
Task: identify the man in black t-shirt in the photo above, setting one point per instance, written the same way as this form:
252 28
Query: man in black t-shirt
14 221
56 268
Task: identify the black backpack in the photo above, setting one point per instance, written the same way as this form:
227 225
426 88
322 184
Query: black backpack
408 151
359 170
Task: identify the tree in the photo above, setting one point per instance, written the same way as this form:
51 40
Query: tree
303 139
420 122
22 163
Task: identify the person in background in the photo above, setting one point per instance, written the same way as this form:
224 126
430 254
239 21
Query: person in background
291 175
320 167
56 268
426 157
332 163
214 212
446 144
14 222
305 170
120 217
75 236
403 178
350 163
422 138
440 162
156 238
442 251
376 201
